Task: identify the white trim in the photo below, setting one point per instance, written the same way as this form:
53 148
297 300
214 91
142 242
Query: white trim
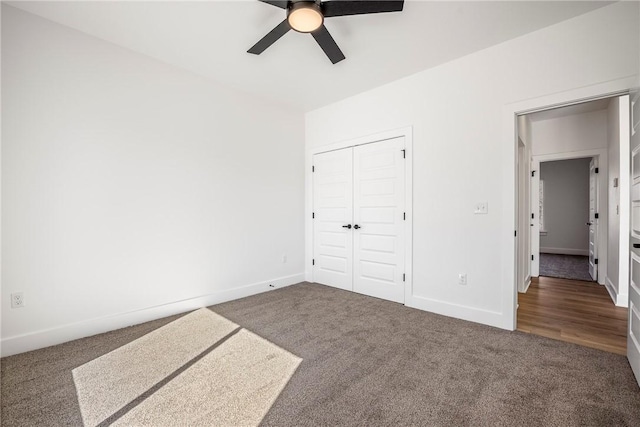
611 289
472 314
72 331
527 283
407 133
568 155
624 205
564 251
586 97
510 112
620 300
534 202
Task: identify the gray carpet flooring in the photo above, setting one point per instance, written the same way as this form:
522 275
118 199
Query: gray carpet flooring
574 267
371 362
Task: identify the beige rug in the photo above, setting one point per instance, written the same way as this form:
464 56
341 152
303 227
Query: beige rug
110 382
234 385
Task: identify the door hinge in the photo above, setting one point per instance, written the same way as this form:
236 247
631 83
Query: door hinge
533 173
313 262
313 215
403 277
515 233
531 257
533 215
404 153
597 216
313 168
597 170
404 216
596 261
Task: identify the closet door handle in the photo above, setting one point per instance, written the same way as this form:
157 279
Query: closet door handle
356 226
347 226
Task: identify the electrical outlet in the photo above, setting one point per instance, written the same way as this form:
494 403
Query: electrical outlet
17 300
462 279
482 208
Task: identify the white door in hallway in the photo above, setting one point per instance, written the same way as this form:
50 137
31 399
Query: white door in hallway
333 213
379 203
633 332
593 219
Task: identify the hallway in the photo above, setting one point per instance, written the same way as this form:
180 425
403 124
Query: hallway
573 311
575 267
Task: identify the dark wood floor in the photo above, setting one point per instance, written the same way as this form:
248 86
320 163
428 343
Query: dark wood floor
573 311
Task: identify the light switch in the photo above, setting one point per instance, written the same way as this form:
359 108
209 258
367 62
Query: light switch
481 208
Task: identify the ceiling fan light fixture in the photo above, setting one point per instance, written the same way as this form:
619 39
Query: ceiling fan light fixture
305 17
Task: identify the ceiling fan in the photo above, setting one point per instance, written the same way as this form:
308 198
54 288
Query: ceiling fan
305 16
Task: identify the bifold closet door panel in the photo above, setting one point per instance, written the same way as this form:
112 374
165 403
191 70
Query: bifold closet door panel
379 208
333 213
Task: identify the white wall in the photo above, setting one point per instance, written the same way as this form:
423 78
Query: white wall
613 139
618 226
130 186
570 133
566 207
524 203
524 210
461 156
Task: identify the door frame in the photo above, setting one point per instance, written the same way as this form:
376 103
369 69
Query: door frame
407 133
510 113
600 155
523 208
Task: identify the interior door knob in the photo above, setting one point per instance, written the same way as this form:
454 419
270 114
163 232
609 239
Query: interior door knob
347 226
589 223
356 226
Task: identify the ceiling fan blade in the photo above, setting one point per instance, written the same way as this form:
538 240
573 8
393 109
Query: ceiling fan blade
282 4
270 38
360 7
328 44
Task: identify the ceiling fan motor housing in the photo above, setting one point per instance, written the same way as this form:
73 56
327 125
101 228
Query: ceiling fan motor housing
305 16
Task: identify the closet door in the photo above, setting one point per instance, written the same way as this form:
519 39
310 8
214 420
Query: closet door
332 222
379 203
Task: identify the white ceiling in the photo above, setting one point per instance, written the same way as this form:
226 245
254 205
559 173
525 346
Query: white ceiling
571 110
211 38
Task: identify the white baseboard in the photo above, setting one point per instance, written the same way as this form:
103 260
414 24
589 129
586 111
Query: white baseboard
618 300
472 314
564 251
611 289
72 331
527 283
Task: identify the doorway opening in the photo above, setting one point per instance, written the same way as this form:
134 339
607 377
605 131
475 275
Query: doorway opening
572 247
567 213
